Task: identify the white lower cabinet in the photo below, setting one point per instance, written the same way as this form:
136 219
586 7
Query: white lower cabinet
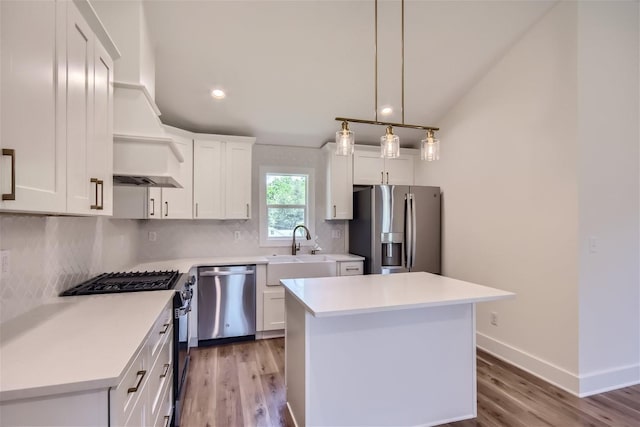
142 398
273 301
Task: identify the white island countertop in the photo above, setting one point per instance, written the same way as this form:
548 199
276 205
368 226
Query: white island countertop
75 343
345 295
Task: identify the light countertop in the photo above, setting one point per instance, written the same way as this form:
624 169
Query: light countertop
75 343
345 295
185 264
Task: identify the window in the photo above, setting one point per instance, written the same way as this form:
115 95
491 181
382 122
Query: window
286 199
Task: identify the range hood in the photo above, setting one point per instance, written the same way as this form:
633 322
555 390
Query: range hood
143 153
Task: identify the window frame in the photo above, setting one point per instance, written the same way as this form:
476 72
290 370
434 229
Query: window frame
265 239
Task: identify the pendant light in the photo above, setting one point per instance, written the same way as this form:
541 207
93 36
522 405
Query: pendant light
389 143
345 141
430 147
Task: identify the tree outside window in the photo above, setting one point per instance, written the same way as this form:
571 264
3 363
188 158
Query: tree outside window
286 200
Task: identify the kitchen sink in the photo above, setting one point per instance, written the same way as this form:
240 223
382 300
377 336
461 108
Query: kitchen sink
298 266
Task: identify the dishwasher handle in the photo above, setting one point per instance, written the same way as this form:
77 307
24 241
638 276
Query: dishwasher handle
226 273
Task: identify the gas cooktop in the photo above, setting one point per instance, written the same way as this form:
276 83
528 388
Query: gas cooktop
108 283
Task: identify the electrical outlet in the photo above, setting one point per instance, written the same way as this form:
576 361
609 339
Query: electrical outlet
4 261
236 235
152 236
494 318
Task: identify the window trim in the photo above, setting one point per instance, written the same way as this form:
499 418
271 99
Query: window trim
265 240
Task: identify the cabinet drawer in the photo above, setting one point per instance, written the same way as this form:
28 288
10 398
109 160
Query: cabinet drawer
351 268
160 377
131 388
161 329
163 416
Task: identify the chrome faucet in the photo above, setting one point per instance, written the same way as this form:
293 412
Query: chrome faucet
295 248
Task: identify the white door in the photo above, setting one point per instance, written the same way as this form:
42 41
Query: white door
368 168
101 147
238 180
177 202
207 186
399 171
339 186
31 135
82 187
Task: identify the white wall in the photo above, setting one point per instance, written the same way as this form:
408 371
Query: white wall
51 254
202 238
609 182
538 157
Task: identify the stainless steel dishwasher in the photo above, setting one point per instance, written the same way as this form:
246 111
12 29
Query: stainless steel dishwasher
226 303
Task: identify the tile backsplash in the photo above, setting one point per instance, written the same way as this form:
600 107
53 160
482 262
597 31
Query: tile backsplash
49 254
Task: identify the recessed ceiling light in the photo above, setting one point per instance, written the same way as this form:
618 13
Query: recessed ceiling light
386 111
218 94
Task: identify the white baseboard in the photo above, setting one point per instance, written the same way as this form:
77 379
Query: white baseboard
578 385
555 375
262 335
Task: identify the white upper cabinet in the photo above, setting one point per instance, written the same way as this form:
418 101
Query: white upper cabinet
237 180
370 169
89 120
33 166
339 171
222 177
56 109
207 175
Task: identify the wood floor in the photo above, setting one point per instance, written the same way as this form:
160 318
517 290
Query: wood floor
242 384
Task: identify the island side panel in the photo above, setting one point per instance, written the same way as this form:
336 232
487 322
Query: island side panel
295 358
392 368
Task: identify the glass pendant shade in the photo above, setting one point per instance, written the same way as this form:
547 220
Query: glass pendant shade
430 148
389 145
345 141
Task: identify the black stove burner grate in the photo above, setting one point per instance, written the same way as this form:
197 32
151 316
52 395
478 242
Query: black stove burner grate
108 283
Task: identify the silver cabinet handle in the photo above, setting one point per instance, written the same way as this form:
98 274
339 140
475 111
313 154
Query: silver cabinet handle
153 207
387 177
166 370
382 177
196 210
98 183
247 210
225 273
334 211
166 328
135 388
166 206
11 153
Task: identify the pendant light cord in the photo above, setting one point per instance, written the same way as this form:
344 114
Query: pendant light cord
375 50
402 61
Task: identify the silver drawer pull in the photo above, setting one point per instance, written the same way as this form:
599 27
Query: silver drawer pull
166 420
141 375
166 328
166 370
352 269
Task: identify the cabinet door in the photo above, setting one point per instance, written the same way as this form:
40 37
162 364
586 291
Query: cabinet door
177 202
31 134
399 171
368 168
82 188
207 187
273 309
101 146
237 180
339 186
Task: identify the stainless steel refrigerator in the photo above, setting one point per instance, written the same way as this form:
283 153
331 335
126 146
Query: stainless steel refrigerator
396 228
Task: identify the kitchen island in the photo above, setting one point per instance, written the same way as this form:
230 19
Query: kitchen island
383 350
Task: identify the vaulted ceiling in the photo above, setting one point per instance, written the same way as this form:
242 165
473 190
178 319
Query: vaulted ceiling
290 67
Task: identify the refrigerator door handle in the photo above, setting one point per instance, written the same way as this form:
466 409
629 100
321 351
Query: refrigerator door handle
413 231
408 231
